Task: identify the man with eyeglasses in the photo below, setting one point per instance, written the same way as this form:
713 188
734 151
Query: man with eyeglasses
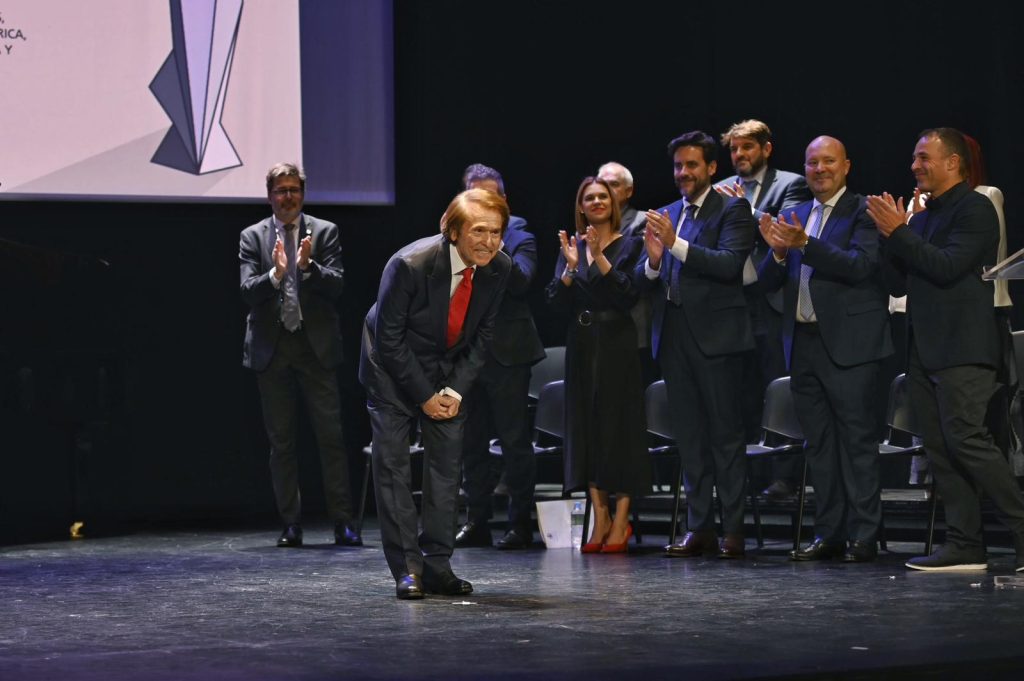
291 275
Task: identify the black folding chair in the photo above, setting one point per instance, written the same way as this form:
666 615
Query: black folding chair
781 435
902 427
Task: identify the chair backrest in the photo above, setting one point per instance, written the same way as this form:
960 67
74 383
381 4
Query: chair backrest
550 417
779 415
659 418
900 416
551 368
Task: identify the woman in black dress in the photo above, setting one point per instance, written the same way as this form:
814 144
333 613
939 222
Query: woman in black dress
605 445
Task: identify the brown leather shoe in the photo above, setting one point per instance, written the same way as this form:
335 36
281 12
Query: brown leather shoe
694 544
733 546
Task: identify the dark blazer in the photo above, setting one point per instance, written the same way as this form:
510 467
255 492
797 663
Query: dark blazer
936 261
712 276
404 359
317 293
850 300
780 189
516 341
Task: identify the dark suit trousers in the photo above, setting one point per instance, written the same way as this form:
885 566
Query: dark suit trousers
950 405
836 409
428 553
295 368
704 395
498 404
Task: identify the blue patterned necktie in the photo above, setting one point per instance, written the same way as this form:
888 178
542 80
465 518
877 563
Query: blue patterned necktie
686 232
749 187
290 316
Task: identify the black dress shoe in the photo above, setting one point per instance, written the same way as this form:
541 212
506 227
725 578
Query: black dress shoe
291 537
733 546
447 584
819 549
344 535
694 544
515 539
861 552
409 588
473 534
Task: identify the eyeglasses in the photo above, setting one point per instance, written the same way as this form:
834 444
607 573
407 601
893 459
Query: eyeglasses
285 191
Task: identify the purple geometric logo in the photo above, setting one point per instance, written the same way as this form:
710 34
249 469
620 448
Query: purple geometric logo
192 85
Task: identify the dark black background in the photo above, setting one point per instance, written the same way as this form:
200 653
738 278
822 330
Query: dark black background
544 91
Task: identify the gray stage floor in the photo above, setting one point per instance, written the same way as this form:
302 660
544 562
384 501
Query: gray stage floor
217 604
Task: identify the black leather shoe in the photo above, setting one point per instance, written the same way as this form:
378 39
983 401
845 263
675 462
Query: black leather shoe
291 537
861 552
694 544
409 588
447 584
344 535
473 534
515 539
732 546
819 549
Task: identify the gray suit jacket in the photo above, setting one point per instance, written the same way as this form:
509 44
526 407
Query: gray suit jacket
317 293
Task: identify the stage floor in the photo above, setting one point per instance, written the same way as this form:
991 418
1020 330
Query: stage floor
228 604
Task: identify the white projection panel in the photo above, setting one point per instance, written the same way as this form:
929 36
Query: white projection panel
147 99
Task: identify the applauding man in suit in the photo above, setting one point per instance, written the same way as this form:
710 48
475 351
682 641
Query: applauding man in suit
835 324
424 344
696 248
291 275
498 402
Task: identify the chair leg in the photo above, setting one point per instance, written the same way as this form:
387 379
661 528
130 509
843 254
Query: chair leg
932 503
636 525
881 533
756 510
800 498
364 494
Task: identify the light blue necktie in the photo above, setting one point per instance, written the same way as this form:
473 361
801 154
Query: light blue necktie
804 307
749 187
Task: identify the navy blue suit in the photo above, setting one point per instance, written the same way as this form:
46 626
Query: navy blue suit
834 363
699 344
498 402
404 360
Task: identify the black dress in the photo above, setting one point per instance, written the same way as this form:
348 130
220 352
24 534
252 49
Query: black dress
606 431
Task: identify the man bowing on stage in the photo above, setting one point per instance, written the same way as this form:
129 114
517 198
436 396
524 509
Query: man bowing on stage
424 343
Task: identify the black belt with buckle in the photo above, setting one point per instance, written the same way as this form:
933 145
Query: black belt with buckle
586 318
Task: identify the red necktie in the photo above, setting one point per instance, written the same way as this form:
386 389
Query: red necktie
458 306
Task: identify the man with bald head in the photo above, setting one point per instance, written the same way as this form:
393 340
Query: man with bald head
620 180
835 333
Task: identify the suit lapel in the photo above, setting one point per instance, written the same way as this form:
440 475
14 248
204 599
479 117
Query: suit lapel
711 206
483 286
668 260
803 213
439 283
835 217
769 180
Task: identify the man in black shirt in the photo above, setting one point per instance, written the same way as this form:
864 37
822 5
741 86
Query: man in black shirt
937 260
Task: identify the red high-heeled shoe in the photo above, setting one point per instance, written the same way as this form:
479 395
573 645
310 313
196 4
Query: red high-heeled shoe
619 548
593 546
